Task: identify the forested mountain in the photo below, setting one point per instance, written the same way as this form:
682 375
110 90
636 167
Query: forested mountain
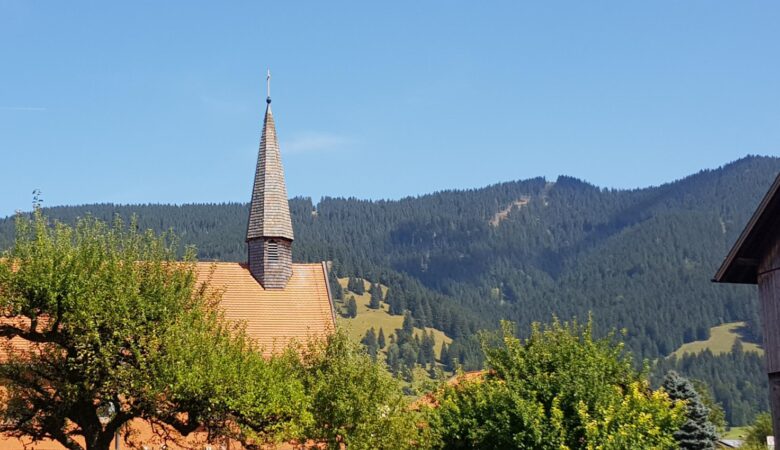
737 380
461 260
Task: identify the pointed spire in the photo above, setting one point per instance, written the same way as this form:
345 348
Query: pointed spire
269 234
269 214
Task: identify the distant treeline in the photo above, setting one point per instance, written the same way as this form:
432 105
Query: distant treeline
737 380
637 259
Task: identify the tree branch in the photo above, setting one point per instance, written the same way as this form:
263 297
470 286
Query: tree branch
184 428
65 440
10 332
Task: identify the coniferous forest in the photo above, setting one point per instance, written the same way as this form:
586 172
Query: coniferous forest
461 260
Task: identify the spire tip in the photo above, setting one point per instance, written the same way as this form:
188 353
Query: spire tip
268 87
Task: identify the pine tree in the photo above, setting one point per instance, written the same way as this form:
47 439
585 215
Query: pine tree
394 359
360 287
427 348
381 339
376 296
697 432
335 287
395 298
408 325
351 307
369 340
351 284
444 356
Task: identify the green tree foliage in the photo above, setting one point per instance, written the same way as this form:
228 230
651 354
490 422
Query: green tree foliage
120 330
407 350
758 431
737 380
376 296
444 357
356 286
427 353
640 259
335 287
394 358
355 402
370 343
559 388
697 433
360 286
465 354
396 301
717 415
351 307
380 340
407 327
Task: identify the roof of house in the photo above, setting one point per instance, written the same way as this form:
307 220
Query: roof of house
269 210
730 443
274 317
741 264
431 399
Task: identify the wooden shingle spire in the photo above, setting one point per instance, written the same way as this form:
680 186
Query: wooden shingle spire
269 232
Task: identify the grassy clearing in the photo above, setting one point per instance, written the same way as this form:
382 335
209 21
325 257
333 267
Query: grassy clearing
735 433
721 339
380 318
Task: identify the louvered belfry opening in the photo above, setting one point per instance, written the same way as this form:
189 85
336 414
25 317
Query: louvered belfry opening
270 262
269 234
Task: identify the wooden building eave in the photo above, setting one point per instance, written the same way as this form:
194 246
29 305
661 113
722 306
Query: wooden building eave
741 263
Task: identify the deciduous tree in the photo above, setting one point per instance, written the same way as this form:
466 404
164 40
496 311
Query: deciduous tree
355 402
560 388
758 432
118 328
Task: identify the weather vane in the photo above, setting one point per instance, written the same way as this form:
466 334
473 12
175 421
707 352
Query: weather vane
268 86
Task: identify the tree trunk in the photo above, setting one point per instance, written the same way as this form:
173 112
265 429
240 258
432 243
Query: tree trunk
99 439
100 442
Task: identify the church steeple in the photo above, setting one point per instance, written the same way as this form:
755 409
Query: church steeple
269 234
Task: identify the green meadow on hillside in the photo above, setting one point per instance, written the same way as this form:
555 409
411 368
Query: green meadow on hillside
735 433
722 338
379 318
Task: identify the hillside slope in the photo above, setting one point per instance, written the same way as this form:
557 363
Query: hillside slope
637 259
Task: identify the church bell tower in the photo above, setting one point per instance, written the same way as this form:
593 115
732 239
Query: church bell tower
269 234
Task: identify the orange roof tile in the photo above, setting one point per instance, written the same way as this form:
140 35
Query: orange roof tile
274 317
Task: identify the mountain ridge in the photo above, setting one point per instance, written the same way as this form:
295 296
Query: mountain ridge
638 260
571 249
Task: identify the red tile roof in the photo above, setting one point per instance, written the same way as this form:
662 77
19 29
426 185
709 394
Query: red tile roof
274 317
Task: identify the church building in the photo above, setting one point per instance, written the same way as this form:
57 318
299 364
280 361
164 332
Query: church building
279 301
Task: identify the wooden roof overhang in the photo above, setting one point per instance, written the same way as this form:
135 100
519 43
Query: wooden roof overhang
741 264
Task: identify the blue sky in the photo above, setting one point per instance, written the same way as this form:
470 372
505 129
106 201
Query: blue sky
146 102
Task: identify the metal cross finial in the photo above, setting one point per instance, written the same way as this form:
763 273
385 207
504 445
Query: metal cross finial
268 86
